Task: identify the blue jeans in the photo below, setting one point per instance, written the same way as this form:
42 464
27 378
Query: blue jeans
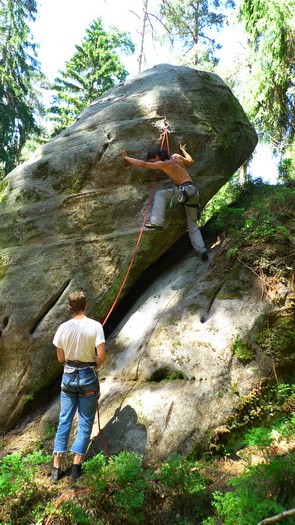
80 391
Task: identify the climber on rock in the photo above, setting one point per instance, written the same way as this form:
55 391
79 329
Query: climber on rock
184 189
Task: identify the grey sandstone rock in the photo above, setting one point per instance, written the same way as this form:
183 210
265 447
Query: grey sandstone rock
70 216
171 376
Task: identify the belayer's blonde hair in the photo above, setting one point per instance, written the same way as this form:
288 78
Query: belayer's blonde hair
77 302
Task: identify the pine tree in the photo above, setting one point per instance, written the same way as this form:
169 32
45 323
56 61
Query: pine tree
190 24
94 68
271 86
19 70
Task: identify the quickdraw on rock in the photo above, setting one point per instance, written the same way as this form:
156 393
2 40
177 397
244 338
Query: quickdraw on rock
165 136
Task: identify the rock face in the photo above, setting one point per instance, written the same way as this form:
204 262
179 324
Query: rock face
71 215
171 376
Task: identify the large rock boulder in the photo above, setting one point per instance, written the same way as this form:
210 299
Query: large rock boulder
70 216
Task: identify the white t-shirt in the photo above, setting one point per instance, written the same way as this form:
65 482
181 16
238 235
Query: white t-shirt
78 338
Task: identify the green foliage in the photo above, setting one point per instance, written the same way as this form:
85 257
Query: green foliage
278 338
70 513
287 166
3 188
20 495
189 23
49 431
179 475
93 468
16 470
284 391
218 205
260 212
261 437
241 508
119 484
242 349
121 490
260 492
270 27
231 253
258 420
265 437
284 427
19 75
230 217
94 68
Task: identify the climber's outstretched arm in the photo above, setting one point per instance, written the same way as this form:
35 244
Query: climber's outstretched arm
158 165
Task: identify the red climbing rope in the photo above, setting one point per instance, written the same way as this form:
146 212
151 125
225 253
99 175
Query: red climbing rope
134 254
164 138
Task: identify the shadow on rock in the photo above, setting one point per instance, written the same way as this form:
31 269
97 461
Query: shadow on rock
122 432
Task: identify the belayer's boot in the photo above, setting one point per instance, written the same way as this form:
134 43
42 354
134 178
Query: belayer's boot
55 474
204 256
76 472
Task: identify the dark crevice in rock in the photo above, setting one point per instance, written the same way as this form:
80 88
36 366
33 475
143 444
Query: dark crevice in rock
179 249
166 373
168 416
174 254
24 373
5 321
102 151
204 318
48 306
38 404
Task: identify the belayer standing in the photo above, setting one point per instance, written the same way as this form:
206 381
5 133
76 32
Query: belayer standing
184 189
80 346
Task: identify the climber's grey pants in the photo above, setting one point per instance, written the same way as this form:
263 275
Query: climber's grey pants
157 215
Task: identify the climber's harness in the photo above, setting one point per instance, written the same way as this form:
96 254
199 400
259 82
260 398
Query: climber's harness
185 196
73 367
80 364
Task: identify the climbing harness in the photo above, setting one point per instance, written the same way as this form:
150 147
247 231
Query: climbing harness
184 196
81 364
72 387
197 206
